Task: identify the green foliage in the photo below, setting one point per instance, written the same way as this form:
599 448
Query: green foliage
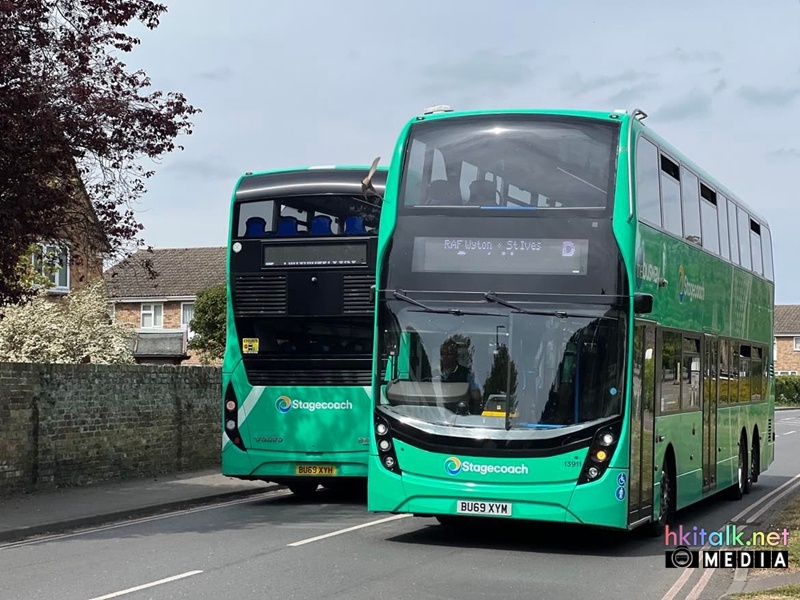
208 324
36 266
787 389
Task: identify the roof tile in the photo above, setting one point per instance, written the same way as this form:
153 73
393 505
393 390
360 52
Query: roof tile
787 319
178 272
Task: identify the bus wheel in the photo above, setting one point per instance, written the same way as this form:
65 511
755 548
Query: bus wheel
755 460
738 489
303 489
656 528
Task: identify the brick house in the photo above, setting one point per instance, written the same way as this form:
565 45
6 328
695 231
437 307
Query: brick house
787 339
155 290
78 257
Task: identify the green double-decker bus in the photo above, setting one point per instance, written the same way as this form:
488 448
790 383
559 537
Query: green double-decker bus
573 324
297 371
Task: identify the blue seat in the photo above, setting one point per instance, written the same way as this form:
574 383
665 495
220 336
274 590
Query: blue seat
321 225
255 227
287 226
354 226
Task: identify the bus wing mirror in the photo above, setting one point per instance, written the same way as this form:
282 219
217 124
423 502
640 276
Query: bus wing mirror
642 304
372 294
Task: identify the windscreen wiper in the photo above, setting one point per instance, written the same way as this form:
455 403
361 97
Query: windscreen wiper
400 295
492 297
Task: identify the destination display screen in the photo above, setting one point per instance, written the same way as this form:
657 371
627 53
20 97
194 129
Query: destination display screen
314 255
513 256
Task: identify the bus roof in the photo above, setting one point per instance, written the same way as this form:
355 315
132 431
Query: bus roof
620 115
334 180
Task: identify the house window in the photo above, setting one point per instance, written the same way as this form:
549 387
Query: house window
52 262
152 316
112 311
187 314
797 344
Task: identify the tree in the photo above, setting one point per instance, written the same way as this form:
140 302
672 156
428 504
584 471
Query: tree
208 324
75 126
37 278
75 329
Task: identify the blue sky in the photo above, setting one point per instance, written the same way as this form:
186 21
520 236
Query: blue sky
297 83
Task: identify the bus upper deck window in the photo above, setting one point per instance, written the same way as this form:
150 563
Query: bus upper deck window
255 227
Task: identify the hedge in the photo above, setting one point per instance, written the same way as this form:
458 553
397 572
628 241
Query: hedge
787 389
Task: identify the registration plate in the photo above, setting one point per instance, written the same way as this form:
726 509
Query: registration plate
313 470
472 507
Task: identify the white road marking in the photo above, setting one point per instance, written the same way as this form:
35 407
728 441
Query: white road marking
147 585
778 492
764 509
348 530
764 499
676 587
790 432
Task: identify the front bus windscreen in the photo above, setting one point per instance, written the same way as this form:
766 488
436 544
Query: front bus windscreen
502 370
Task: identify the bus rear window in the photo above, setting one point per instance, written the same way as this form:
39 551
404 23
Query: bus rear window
323 215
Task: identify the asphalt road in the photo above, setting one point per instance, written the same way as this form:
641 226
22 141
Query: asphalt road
244 549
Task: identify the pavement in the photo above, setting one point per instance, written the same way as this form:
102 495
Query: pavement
46 512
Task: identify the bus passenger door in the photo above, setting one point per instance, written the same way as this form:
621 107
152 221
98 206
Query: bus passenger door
710 413
640 498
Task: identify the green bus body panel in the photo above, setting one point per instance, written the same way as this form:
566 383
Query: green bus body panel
278 441
548 492
704 294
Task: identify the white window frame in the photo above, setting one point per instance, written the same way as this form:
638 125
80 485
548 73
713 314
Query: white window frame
151 310
63 252
185 326
797 344
112 311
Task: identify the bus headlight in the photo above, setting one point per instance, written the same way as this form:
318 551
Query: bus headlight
385 447
600 452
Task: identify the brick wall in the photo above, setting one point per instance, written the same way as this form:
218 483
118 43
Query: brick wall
88 270
788 359
67 425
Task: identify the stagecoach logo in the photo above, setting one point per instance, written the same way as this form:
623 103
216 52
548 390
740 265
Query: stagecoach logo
284 404
453 466
687 289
